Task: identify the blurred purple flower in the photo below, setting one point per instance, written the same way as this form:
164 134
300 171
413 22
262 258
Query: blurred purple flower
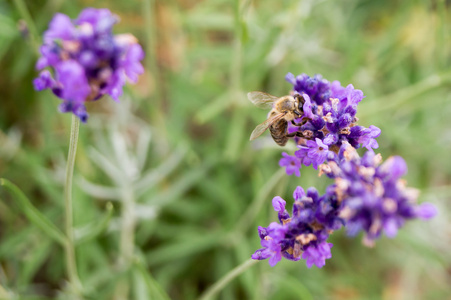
87 60
317 255
374 197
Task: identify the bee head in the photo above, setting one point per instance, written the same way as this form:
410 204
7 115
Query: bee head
299 102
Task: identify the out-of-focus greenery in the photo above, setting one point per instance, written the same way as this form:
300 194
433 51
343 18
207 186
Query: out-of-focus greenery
179 139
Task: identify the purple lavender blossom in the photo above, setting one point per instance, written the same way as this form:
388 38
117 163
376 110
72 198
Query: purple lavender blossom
329 119
317 255
374 197
304 233
315 152
86 59
291 163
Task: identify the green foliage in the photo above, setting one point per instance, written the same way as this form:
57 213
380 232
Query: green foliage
178 143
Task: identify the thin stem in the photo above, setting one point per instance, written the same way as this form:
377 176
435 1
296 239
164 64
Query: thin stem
402 96
25 14
70 249
227 278
127 239
249 216
231 150
152 66
128 226
441 35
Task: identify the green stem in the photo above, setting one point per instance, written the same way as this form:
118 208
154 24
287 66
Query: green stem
32 213
155 71
127 239
226 279
249 216
25 14
231 150
413 92
441 35
71 263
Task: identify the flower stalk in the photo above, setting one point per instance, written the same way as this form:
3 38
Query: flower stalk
227 278
127 239
71 263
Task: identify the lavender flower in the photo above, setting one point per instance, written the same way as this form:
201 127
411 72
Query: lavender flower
304 233
329 119
374 197
87 60
367 195
291 163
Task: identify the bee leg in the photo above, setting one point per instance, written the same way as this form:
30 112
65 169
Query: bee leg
299 124
293 134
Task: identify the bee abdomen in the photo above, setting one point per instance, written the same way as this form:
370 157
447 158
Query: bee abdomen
279 132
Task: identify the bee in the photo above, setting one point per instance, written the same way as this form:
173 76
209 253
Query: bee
284 109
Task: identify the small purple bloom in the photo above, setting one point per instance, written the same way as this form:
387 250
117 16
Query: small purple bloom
43 81
131 62
298 193
72 80
307 107
314 152
86 59
426 211
375 197
317 152
291 163
313 219
60 27
368 137
329 116
290 78
279 204
317 255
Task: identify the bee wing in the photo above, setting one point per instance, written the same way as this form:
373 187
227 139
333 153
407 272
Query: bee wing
261 100
265 125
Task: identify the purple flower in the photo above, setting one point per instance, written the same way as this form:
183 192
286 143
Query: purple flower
270 240
298 193
60 27
72 82
368 137
317 255
304 233
86 59
44 81
315 152
426 211
279 204
291 163
328 120
374 197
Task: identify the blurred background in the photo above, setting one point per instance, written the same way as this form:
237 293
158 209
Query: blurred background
178 145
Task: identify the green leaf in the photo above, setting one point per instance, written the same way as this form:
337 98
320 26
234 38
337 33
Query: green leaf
32 213
95 228
155 291
214 108
33 261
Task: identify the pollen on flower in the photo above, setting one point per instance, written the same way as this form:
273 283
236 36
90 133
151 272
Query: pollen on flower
329 118
375 199
367 195
313 219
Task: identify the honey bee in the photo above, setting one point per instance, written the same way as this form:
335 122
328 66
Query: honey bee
284 109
